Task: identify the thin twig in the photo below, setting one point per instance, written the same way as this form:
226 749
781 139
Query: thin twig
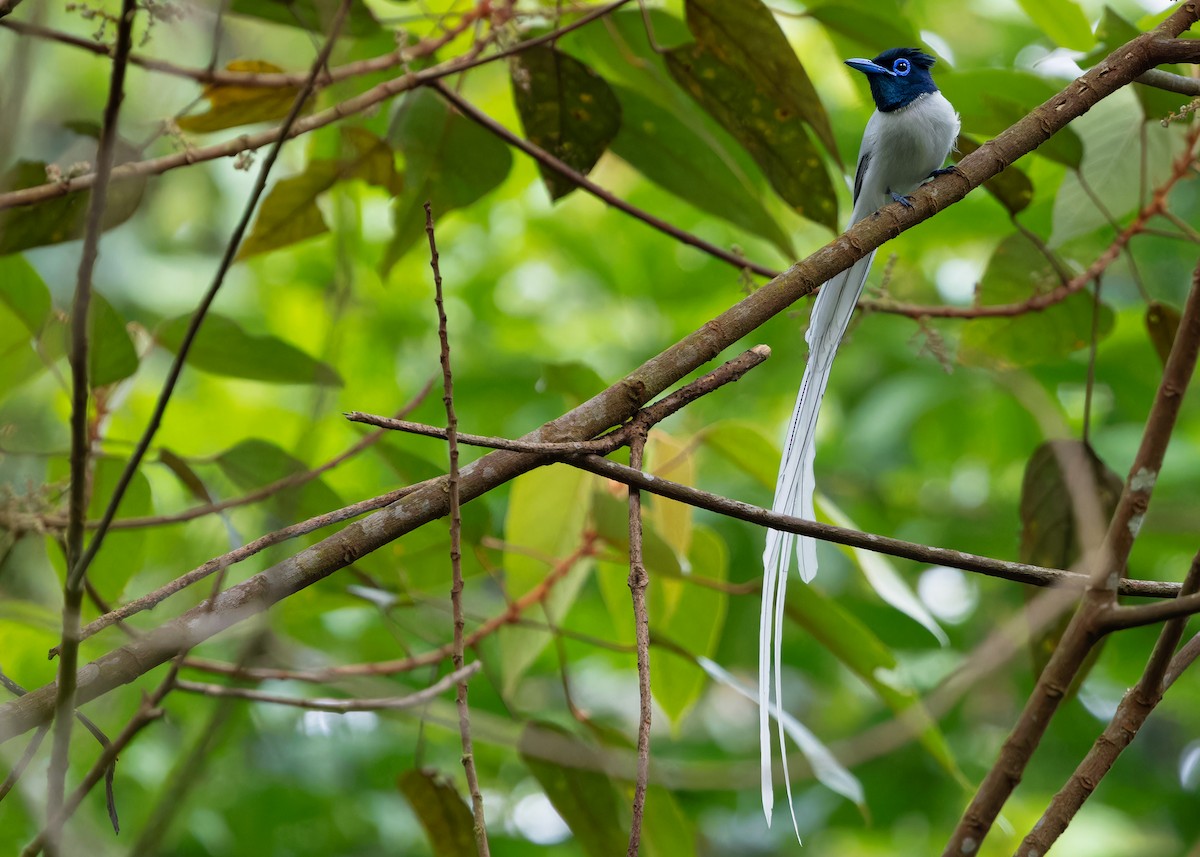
649 416
1094 347
511 615
80 439
337 706
1171 82
456 587
638 581
557 165
216 564
1017 571
147 713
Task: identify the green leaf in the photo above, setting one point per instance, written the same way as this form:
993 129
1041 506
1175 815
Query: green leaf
1049 535
1016 272
670 458
316 16
990 100
666 829
746 446
566 109
692 617
545 522
25 309
255 462
63 218
574 380
1012 187
224 348
582 794
1162 323
121 557
18 360
746 35
1062 20
882 576
111 355
290 214
187 477
865 655
867 24
669 153
610 517
443 815
449 161
742 70
24 292
233 105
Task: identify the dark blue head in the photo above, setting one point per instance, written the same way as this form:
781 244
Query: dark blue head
897 77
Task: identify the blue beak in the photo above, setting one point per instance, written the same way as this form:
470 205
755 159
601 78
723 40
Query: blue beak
868 67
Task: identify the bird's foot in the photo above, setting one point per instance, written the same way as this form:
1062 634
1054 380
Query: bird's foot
945 171
900 198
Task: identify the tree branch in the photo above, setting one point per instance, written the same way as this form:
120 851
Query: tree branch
337 706
638 581
64 706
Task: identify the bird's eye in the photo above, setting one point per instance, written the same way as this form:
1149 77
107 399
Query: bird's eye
901 67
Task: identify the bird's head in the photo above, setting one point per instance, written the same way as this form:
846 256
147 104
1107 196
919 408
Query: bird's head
897 77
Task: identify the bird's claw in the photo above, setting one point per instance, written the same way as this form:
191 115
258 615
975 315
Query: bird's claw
945 171
903 200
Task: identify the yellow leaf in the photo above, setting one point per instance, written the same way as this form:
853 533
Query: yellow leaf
230 106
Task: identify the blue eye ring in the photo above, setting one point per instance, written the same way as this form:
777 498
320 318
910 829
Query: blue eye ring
901 67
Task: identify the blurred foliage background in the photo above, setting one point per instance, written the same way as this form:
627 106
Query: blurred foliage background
927 428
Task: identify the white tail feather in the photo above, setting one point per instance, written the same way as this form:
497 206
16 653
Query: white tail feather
794 496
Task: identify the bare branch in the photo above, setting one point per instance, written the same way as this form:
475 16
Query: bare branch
557 165
80 439
456 587
638 581
1015 571
337 706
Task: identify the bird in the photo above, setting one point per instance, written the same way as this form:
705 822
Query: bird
906 142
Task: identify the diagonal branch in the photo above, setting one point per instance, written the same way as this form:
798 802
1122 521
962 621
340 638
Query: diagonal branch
620 401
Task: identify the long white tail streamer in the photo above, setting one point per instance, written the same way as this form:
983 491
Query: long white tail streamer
794 489
825 767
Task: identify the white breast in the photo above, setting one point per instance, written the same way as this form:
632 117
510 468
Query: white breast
904 146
